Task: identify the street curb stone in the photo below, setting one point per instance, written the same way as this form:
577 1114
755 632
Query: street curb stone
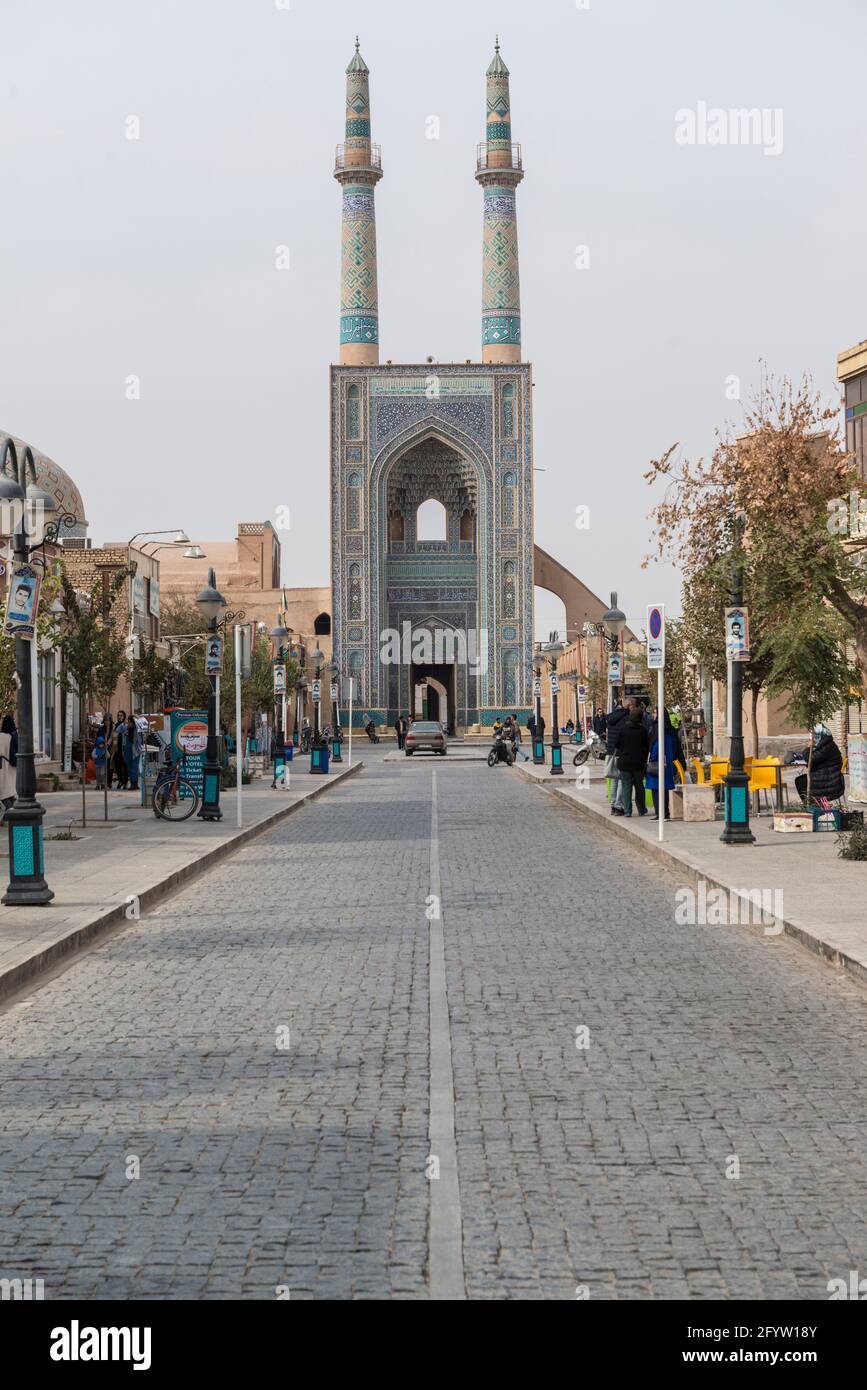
693 872
57 952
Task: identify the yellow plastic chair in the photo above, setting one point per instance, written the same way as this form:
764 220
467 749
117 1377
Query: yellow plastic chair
699 772
718 769
763 778
680 772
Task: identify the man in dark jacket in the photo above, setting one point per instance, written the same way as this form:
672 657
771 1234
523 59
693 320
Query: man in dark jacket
615 719
632 744
826 769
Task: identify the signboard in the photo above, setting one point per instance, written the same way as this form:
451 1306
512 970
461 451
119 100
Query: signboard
615 668
656 637
189 742
555 684
279 679
317 690
214 656
67 730
154 597
138 593
581 691
22 600
857 748
737 634
334 692
537 688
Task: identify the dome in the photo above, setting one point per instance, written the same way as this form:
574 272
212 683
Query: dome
52 479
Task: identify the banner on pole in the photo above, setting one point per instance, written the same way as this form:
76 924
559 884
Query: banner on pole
737 634
615 668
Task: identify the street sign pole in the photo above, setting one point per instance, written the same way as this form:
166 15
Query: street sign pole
238 734
656 662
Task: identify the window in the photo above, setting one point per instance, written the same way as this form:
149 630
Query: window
430 521
353 502
508 411
353 413
356 671
322 625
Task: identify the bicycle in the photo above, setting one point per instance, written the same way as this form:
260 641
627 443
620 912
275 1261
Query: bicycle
175 798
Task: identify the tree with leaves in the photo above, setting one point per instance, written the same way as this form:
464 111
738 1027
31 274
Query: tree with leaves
150 675
783 476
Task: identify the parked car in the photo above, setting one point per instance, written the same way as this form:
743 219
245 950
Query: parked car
426 733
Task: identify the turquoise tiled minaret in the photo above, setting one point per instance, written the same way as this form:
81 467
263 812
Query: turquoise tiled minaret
499 172
358 169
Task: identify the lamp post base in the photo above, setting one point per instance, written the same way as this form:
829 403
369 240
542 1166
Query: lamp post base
556 760
27 886
538 751
737 807
210 808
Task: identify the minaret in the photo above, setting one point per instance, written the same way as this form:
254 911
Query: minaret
499 171
358 169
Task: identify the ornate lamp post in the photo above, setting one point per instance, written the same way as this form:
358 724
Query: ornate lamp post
538 737
318 762
551 651
211 606
613 621
300 698
332 671
278 636
27 886
736 782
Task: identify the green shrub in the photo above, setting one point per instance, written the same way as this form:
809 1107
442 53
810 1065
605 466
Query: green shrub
853 844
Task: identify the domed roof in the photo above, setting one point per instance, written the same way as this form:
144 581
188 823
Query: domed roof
54 480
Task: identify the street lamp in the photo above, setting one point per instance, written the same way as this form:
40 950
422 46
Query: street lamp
318 762
538 737
613 623
27 886
736 783
551 651
211 606
300 697
278 635
332 671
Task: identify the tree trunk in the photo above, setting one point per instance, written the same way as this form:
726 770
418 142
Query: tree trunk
859 633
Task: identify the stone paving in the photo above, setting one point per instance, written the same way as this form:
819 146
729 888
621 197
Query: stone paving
295 1160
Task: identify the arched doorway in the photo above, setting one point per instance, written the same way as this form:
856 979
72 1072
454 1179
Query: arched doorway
433 694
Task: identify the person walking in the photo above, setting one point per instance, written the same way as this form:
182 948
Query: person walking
132 746
8 761
400 730
600 720
632 744
108 735
612 726
517 740
653 765
116 752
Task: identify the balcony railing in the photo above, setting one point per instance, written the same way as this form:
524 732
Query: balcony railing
342 162
494 159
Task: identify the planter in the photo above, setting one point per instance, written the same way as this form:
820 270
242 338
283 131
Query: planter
692 801
793 822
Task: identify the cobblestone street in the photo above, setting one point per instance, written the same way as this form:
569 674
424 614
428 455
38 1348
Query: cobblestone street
233 1095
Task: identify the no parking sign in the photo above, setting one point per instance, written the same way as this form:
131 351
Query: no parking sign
656 637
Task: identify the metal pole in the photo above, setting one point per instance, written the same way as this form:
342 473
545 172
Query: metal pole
238 718
350 721
660 753
736 783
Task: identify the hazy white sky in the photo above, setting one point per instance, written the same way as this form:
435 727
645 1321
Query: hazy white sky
156 257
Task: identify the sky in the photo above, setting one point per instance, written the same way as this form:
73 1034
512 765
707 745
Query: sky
659 266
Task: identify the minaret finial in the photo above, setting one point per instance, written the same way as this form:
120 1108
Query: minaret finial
497 44
357 43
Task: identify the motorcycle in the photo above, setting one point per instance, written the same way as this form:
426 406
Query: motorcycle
501 752
370 730
594 747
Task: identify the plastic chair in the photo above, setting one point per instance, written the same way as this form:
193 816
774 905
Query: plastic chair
718 769
763 778
699 772
680 772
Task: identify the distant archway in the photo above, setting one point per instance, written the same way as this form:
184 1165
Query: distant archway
322 625
431 523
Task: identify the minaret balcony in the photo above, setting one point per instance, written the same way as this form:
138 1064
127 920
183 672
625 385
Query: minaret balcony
350 157
509 157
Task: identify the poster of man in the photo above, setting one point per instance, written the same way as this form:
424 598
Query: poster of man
737 634
22 603
214 656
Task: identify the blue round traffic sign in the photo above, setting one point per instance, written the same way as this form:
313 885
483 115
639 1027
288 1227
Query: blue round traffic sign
655 623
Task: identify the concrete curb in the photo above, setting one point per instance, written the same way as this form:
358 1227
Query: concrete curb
25 972
693 872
